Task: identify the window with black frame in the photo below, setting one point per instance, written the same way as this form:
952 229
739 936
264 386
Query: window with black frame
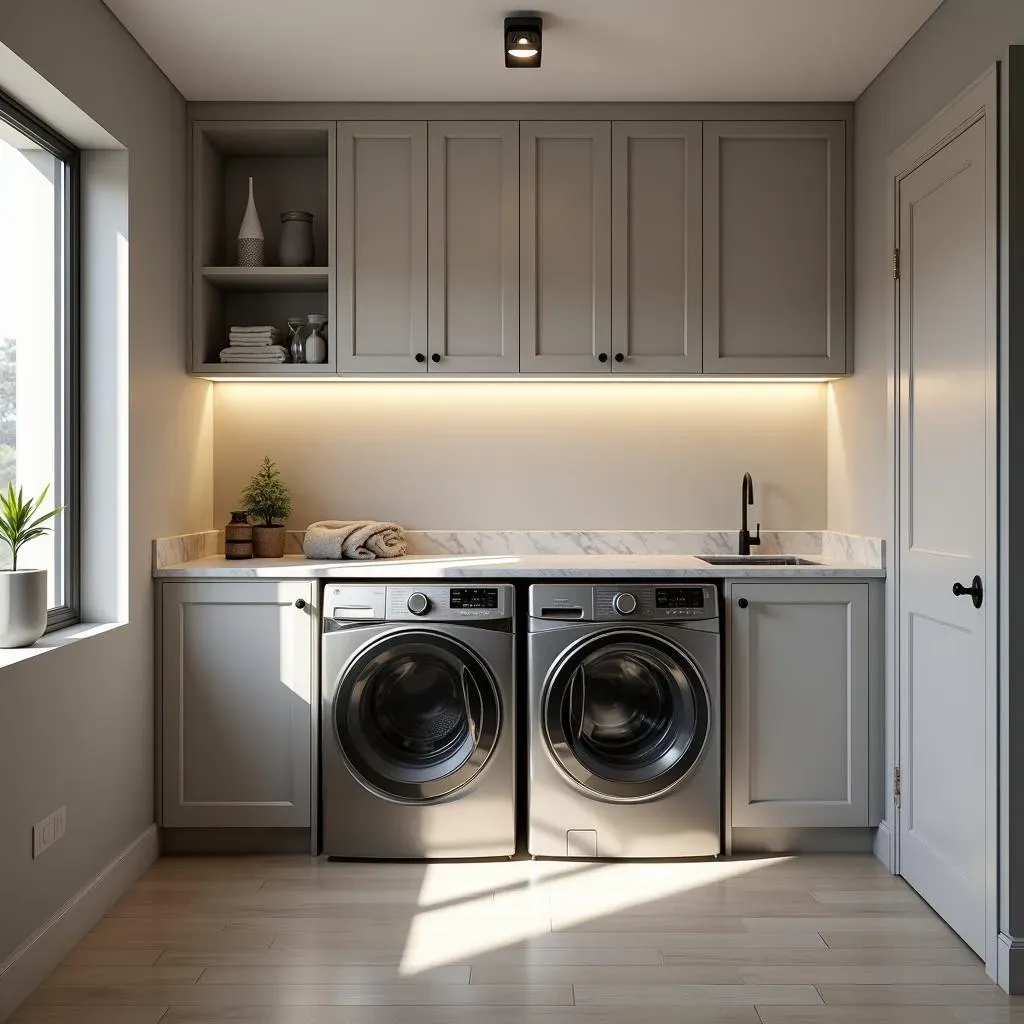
38 344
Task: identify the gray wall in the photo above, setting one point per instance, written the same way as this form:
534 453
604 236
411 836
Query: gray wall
76 724
951 50
529 455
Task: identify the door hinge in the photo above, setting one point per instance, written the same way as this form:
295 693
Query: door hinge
895 264
896 786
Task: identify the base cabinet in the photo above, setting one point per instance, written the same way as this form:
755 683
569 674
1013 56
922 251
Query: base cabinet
800 674
237 681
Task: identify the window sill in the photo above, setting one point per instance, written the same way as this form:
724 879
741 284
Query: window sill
55 640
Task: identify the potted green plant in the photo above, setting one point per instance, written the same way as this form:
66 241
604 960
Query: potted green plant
23 602
267 500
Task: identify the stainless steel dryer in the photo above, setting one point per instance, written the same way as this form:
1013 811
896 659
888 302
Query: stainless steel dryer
417 721
625 721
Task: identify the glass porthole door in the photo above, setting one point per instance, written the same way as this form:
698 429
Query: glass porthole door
626 714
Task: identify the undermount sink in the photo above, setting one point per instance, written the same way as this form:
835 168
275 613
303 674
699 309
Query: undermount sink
755 560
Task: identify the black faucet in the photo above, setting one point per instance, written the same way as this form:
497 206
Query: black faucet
748 499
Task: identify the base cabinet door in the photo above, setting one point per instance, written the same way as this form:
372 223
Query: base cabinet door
800 668
237 664
774 247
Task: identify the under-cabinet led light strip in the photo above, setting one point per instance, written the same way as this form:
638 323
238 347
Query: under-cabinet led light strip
434 379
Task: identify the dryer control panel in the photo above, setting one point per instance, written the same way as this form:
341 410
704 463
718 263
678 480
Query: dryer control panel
411 602
654 602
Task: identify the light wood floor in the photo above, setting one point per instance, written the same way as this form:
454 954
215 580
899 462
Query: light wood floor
286 940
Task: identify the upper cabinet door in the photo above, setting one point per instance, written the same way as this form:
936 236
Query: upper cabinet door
656 247
382 241
474 247
775 247
565 233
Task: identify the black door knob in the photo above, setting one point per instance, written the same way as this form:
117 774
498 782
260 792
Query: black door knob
602 357
975 591
619 357
420 357
300 603
435 358
743 602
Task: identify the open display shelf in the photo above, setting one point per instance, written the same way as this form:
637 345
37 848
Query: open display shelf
292 165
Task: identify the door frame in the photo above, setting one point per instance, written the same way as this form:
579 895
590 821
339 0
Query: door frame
979 101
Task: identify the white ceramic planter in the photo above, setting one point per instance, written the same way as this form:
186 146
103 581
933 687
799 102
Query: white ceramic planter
22 607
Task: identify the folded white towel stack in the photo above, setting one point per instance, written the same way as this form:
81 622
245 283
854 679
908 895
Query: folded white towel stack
254 345
361 539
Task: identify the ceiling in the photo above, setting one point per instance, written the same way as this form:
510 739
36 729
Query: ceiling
451 50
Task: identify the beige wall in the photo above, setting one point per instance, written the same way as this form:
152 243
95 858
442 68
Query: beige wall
76 724
529 455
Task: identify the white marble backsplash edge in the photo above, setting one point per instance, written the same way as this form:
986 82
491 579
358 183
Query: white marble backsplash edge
826 544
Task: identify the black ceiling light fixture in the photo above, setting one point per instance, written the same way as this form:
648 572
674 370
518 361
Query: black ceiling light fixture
522 41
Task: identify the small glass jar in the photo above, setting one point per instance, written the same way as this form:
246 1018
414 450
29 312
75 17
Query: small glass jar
238 537
296 346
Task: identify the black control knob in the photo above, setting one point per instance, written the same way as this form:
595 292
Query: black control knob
743 602
624 603
435 358
418 604
619 357
420 357
300 603
602 357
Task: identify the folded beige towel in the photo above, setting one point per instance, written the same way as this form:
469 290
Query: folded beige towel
260 329
250 354
361 539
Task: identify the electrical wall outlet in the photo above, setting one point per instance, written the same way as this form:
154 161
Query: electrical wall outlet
46 832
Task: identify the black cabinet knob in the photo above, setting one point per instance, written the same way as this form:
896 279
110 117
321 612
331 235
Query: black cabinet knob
602 357
300 603
743 602
435 358
420 357
619 357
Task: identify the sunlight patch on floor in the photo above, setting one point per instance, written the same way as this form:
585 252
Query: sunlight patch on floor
468 910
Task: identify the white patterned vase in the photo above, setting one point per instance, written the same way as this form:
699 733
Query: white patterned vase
250 236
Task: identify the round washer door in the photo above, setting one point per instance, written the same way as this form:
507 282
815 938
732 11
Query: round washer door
417 715
626 714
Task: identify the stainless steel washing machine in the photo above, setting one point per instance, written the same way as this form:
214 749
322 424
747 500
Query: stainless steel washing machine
418 721
625 721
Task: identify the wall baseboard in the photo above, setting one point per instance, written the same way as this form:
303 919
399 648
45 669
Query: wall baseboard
883 845
1010 966
24 970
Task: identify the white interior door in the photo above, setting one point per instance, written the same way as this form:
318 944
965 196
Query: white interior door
947 484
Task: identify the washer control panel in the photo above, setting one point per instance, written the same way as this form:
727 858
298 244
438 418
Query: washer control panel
412 602
650 602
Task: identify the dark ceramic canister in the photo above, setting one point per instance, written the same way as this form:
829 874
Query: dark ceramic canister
296 249
238 536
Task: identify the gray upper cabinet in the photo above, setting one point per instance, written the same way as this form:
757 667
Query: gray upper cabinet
474 247
237 665
382 247
656 247
800 698
565 246
775 247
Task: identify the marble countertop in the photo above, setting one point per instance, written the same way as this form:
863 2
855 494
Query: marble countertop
638 566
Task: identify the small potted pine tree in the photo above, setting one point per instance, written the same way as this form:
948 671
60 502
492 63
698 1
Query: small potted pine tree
23 602
267 500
